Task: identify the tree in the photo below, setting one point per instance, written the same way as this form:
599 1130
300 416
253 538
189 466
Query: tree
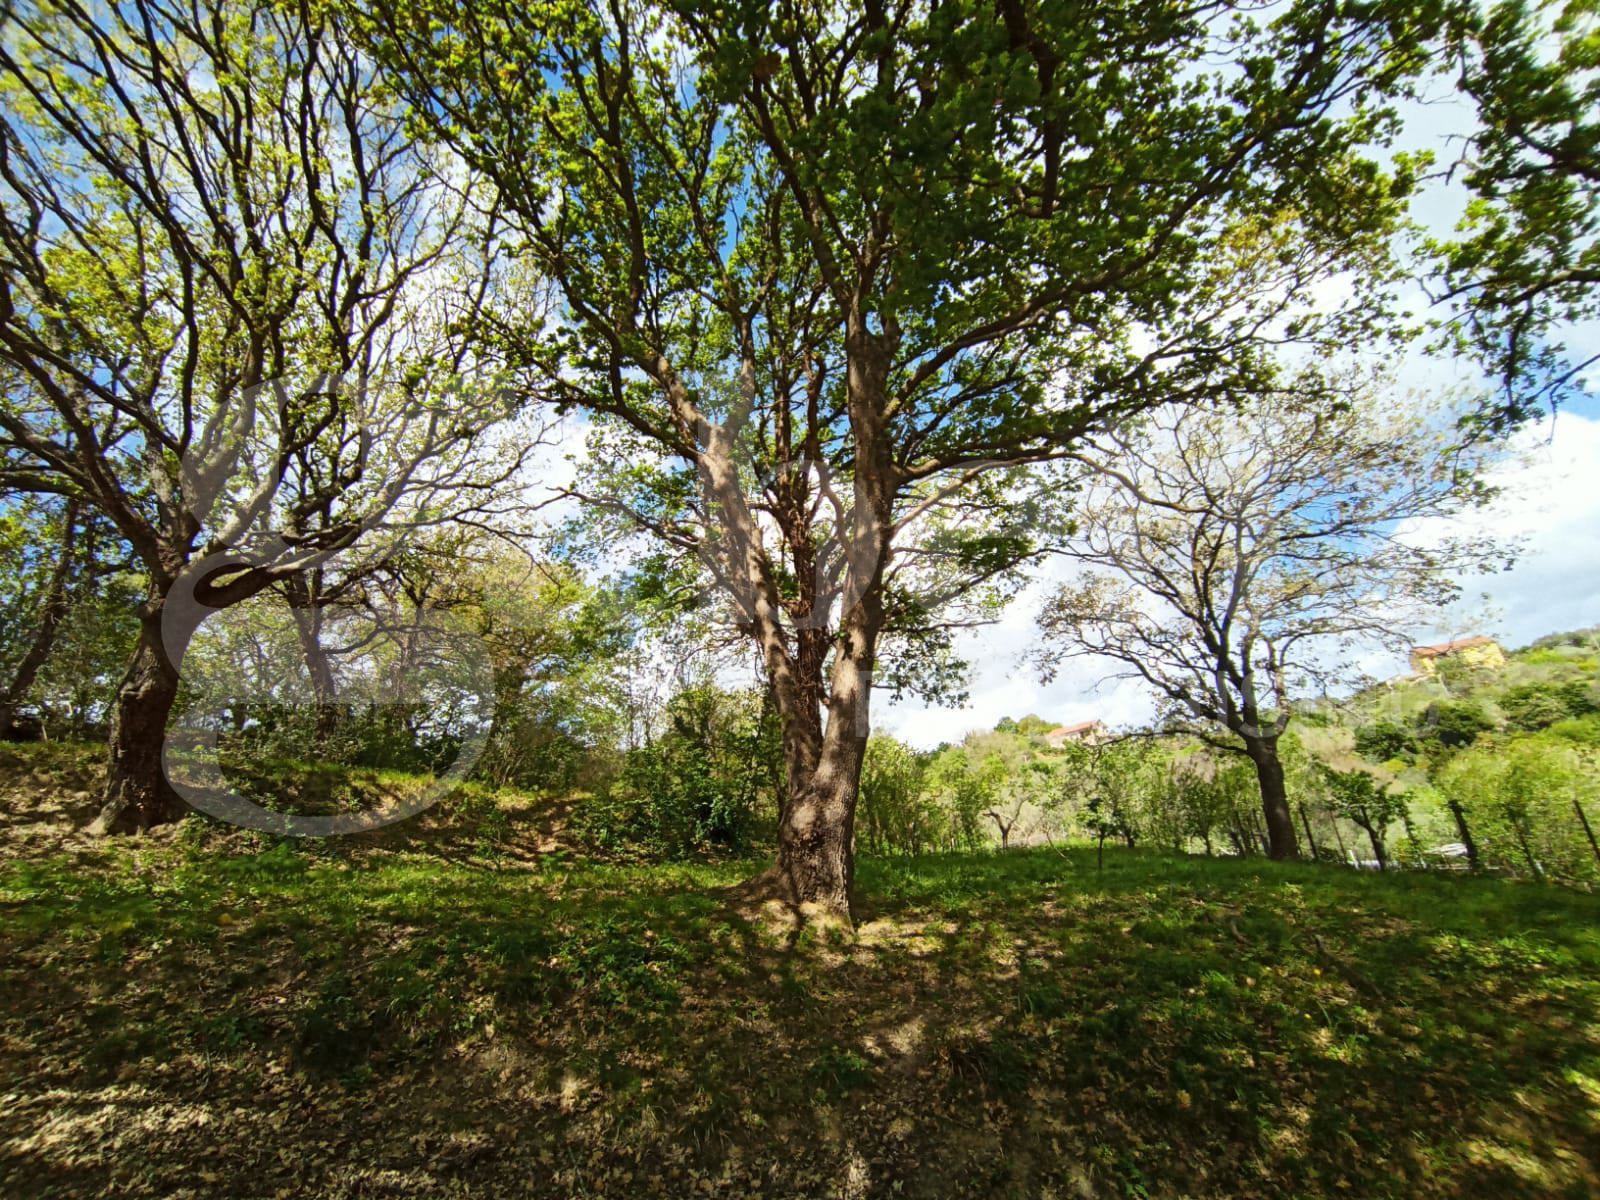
1358 796
1448 725
237 296
897 815
1384 741
1526 256
51 600
832 273
1235 556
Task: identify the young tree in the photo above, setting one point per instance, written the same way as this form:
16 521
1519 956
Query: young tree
1358 796
831 270
236 293
897 815
1237 557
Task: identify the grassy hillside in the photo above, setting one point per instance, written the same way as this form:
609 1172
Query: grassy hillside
1562 658
462 1010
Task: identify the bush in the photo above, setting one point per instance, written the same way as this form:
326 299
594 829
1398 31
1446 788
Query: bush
1452 724
701 787
1585 731
1535 706
1383 741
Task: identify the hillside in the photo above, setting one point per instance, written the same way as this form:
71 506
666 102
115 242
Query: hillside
1570 660
481 1015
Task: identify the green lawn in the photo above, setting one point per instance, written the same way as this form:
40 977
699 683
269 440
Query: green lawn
198 1015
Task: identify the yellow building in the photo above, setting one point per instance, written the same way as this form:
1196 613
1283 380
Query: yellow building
1473 651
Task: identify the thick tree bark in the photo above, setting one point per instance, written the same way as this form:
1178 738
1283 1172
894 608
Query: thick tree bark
816 832
138 795
1281 841
816 843
51 614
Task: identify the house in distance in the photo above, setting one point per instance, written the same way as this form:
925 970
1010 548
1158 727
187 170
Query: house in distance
1472 651
1085 733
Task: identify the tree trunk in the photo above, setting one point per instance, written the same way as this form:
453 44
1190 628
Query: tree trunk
137 792
1521 829
1310 841
816 829
44 637
1005 829
1588 830
1465 831
816 843
1376 839
1338 834
1281 842
303 604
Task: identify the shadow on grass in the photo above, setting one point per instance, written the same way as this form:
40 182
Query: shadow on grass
405 1018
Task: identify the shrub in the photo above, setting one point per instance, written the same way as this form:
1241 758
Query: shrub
1452 724
1383 741
1535 706
702 786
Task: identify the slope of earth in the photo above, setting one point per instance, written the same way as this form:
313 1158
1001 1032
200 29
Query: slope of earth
466 1010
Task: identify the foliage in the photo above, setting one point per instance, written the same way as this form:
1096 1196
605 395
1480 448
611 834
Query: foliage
896 814
710 781
1532 707
1373 805
1525 258
1449 725
1523 798
1384 741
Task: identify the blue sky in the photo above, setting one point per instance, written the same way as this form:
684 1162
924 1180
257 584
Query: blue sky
1550 499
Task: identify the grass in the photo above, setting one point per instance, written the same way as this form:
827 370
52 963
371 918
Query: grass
197 1014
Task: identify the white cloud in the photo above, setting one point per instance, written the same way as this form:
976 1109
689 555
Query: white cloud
1550 497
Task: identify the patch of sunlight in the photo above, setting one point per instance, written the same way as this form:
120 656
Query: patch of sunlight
571 1091
1511 1158
900 1042
1585 1083
1287 1140
857 1181
908 1037
111 1119
1348 1050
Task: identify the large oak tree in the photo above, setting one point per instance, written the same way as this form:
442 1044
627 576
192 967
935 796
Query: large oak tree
833 266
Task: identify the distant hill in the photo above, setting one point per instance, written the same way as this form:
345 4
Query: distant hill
1551 681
